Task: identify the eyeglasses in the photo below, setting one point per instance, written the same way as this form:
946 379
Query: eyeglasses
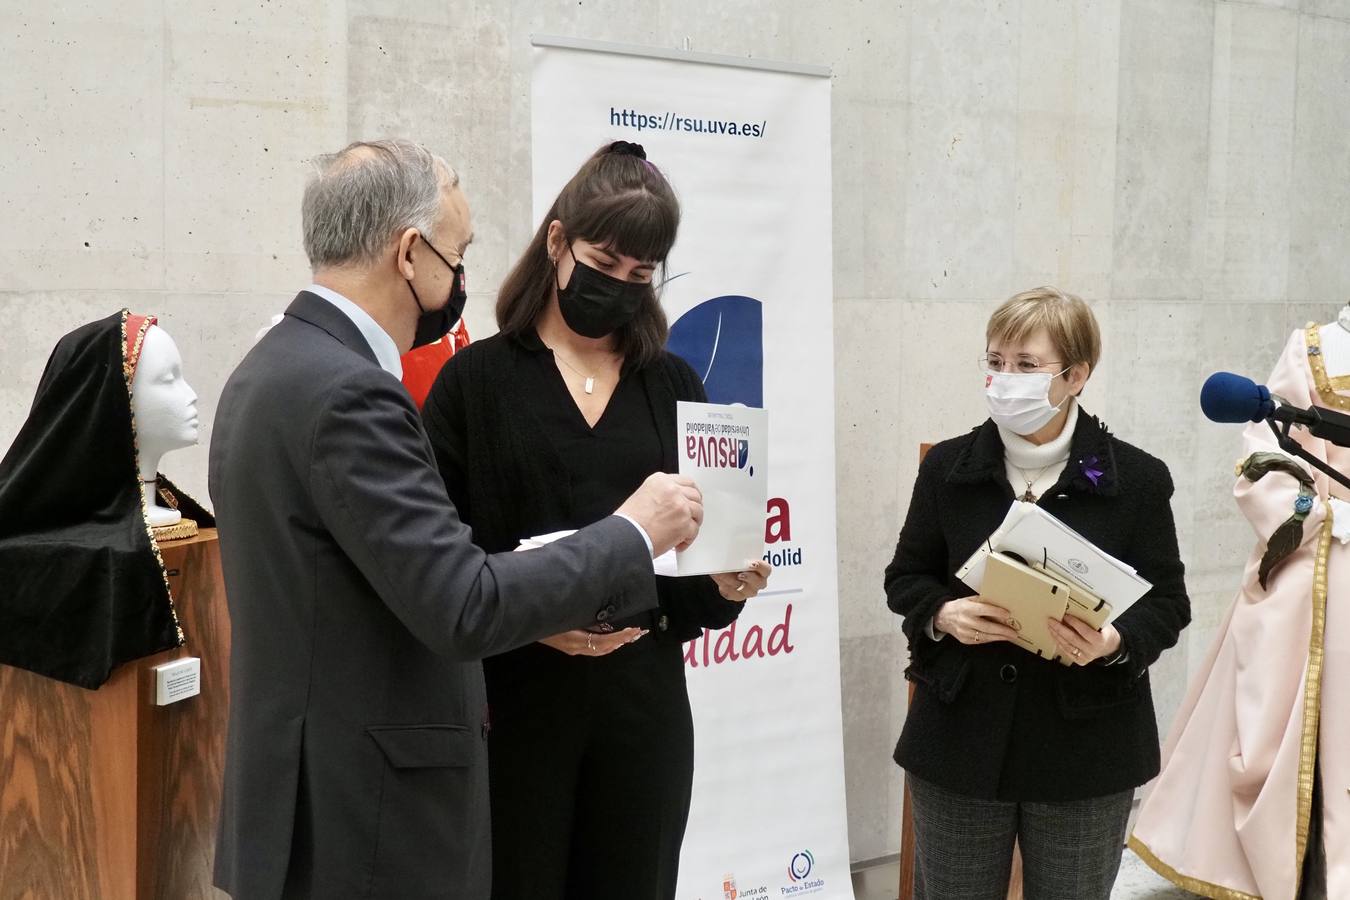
993 363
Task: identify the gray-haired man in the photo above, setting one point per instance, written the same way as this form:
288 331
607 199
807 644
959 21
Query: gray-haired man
355 764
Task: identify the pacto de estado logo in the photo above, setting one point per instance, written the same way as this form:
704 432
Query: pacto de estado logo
801 865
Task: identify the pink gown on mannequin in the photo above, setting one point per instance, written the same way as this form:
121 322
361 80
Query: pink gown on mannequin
1229 814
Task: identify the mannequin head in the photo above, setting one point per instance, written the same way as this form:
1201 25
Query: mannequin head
85 584
162 403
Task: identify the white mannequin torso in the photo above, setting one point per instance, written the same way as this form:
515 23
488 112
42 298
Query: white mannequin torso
165 411
1335 340
1336 345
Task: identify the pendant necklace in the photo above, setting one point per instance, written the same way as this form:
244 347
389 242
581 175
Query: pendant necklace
590 379
1029 497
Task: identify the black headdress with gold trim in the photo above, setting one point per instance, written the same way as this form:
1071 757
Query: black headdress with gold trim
82 585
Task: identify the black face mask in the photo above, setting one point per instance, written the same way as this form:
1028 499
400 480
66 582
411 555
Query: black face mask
595 304
435 324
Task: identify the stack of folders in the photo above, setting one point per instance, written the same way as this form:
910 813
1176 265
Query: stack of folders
1032 597
1038 568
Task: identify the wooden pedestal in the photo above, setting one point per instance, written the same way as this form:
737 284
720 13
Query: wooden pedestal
103 795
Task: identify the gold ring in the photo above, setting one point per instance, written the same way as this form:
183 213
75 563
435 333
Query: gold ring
589 645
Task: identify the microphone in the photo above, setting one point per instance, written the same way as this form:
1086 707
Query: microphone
1228 398
1231 398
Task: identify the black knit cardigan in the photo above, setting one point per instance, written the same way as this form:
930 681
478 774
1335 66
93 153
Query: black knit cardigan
991 720
502 471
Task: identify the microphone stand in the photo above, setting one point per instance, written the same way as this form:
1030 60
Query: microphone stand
1293 447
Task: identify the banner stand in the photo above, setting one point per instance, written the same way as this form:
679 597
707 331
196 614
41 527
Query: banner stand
746 145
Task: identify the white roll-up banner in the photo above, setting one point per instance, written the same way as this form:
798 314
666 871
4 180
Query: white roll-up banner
747 148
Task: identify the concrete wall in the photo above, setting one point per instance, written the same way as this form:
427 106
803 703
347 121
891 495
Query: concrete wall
1182 163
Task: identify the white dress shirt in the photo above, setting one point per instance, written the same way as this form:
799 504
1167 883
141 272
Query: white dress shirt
379 341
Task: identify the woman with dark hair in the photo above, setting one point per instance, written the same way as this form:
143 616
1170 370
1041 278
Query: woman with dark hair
537 430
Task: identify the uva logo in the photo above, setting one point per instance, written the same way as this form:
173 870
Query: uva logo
709 452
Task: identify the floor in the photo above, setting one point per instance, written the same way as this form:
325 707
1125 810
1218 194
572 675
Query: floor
1135 882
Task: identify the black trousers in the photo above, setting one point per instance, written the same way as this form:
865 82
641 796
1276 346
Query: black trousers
591 761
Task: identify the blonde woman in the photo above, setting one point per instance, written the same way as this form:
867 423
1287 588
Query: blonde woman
1000 745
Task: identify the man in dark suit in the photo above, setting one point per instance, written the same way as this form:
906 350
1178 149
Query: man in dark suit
356 758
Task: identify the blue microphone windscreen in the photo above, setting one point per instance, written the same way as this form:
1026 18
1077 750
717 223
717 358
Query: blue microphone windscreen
1226 397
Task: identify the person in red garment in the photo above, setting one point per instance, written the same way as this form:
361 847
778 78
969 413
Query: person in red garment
421 365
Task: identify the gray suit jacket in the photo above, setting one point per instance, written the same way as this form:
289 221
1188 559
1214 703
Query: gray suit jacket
356 763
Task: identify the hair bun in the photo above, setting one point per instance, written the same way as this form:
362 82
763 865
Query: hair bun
625 148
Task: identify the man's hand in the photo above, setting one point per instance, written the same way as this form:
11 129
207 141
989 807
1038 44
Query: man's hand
669 508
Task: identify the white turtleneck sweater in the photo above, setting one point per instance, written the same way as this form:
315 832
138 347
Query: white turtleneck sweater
1042 464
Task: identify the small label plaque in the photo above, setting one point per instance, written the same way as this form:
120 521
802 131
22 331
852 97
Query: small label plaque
178 680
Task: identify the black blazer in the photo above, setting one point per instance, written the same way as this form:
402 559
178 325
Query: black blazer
502 471
356 761
993 721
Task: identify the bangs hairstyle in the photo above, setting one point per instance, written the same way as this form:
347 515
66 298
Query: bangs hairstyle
622 204
1065 317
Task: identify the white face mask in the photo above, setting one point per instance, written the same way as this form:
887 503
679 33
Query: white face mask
1020 402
